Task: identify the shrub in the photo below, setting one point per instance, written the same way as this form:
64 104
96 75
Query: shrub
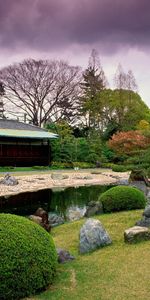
28 257
61 165
122 198
83 165
119 168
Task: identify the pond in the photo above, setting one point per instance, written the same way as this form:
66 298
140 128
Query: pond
60 201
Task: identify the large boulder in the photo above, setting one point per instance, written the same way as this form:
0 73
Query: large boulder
94 208
136 234
93 236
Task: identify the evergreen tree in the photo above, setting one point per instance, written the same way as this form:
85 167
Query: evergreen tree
94 81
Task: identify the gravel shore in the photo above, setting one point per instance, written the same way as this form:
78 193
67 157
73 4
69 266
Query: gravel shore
32 182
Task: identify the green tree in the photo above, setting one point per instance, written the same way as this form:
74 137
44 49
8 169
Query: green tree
123 110
94 81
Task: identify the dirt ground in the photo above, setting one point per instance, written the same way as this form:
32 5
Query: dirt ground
34 182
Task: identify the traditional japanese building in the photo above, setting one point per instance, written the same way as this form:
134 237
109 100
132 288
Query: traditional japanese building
22 144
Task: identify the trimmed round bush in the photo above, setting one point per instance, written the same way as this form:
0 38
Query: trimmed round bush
122 198
28 257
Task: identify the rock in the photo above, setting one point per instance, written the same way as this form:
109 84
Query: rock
136 234
122 182
36 219
148 196
75 213
140 185
40 212
9 180
78 177
94 208
87 177
58 176
64 256
83 177
144 222
93 236
138 175
55 220
146 212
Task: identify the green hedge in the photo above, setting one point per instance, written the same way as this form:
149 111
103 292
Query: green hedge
119 168
28 257
122 198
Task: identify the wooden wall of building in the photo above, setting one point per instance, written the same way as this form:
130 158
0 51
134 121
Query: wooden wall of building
24 153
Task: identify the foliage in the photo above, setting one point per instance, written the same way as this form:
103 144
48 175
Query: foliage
83 165
28 257
111 128
119 168
122 198
121 108
143 125
68 149
128 141
94 81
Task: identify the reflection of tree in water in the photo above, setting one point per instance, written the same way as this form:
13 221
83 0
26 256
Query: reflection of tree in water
58 202
79 197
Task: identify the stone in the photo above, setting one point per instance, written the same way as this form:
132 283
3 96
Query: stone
138 175
140 185
75 213
122 182
94 208
9 180
146 212
93 236
88 177
58 176
136 234
40 212
36 219
144 222
148 196
55 220
64 255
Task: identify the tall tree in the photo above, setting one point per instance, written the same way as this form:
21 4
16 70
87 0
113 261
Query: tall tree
42 89
94 81
123 111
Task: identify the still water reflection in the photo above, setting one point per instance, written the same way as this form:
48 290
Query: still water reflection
57 201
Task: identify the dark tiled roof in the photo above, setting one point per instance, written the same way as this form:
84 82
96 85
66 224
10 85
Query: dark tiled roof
12 124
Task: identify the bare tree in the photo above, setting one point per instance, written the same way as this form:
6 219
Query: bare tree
126 89
125 81
43 90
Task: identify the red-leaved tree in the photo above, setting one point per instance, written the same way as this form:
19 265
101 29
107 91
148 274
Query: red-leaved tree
126 142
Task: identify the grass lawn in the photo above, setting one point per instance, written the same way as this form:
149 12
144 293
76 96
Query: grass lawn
116 272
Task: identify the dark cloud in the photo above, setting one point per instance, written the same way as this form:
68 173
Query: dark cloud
55 24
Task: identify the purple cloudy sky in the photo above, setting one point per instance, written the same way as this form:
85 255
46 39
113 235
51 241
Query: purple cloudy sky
118 29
